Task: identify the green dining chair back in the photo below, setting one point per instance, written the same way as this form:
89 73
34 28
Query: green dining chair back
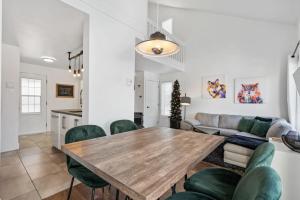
221 183
262 156
77 170
262 183
121 126
81 133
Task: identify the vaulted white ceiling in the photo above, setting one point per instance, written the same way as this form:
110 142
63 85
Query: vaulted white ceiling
281 11
42 28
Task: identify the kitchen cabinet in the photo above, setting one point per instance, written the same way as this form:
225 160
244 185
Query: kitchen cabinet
68 122
60 124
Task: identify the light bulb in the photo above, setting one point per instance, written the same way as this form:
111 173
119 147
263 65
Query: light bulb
70 68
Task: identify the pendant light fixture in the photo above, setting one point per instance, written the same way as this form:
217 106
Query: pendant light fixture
75 71
76 66
70 68
82 68
78 70
157 45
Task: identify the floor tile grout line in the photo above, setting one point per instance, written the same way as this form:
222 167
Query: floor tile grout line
29 176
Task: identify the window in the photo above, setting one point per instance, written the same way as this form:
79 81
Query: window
165 98
30 95
167 25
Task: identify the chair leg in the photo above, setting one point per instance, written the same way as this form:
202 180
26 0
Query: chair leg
174 189
93 194
70 190
117 194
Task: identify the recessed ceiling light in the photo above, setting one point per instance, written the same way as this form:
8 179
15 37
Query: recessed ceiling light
48 59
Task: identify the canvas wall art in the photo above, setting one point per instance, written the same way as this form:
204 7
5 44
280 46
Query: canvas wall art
214 87
251 90
64 91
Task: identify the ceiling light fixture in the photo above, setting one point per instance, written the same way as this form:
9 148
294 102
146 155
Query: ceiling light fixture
48 59
157 45
77 65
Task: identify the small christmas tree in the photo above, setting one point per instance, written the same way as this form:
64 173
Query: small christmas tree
175 117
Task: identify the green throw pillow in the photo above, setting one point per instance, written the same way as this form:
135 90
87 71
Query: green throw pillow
260 128
245 125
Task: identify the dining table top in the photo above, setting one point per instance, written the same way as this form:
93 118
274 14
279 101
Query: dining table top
145 163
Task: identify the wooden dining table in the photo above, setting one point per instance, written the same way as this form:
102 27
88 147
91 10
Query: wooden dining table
144 164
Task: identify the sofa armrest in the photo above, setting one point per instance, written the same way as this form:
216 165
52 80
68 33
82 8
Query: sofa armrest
189 124
279 128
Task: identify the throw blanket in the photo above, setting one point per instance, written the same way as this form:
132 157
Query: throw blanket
243 141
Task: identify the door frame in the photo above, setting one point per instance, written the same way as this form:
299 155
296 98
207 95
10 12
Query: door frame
35 76
145 99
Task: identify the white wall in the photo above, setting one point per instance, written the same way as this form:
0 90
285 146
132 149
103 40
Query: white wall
0 74
53 76
10 97
113 28
236 47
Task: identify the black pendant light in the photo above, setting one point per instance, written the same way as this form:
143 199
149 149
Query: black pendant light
78 70
77 66
157 45
70 68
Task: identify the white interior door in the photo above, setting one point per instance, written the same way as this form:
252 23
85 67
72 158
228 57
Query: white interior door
33 108
151 111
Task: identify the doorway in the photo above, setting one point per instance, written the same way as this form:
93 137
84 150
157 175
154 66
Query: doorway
151 103
33 103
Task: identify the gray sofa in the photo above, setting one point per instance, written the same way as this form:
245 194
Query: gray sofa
228 125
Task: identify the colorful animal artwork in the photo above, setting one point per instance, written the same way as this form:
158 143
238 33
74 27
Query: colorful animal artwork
216 89
250 94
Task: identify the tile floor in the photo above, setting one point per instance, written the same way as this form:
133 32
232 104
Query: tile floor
38 171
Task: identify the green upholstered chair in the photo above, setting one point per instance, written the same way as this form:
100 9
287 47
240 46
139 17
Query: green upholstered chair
121 126
77 170
221 183
262 156
261 183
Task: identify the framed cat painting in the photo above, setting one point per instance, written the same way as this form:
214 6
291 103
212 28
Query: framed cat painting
214 87
251 90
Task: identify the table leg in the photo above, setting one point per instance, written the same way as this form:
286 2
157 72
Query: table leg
174 189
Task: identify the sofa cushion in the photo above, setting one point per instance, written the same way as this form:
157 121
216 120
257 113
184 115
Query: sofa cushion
245 124
227 132
279 128
229 121
205 119
260 128
238 149
206 127
243 165
236 157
